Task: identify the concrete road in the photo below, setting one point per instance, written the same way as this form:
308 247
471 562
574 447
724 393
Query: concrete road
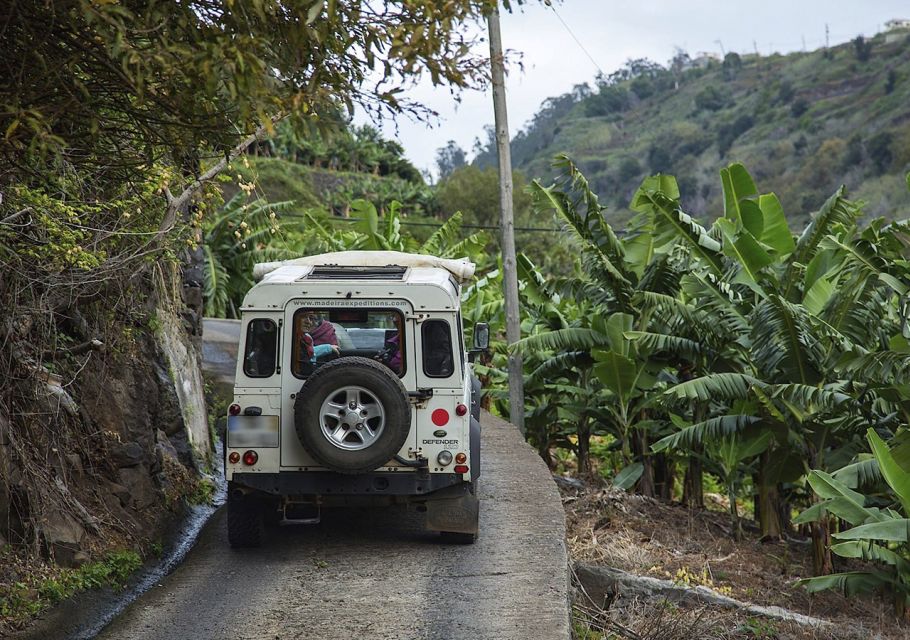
376 573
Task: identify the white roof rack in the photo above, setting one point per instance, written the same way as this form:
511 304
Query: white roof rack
462 269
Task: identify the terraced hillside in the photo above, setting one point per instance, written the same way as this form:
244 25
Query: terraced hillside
803 123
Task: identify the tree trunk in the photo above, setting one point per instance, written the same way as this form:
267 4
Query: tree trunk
769 503
735 522
693 489
693 483
664 476
640 451
583 453
822 562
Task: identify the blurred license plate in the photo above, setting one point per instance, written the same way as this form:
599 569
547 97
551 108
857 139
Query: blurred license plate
252 431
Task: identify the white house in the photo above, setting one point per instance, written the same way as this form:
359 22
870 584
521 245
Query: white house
896 30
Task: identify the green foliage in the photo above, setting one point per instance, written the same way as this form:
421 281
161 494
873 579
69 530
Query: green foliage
710 99
862 48
129 87
340 147
738 344
880 536
238 236
21 601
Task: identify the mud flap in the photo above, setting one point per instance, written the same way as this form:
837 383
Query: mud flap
458 513
475 448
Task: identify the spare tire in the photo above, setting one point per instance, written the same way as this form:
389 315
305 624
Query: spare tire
352 415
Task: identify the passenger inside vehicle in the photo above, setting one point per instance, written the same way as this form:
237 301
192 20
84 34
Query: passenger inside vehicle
321 335
318 338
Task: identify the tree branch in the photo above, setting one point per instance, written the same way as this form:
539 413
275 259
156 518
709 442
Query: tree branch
175 204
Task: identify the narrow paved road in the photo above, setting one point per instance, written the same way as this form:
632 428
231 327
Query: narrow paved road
376 573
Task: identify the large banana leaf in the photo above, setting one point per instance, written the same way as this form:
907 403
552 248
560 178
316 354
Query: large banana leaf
840 500
708 430
896 530
743 248
849 583
784 342
672 225
618 373
716 386
571 339
895 476
775 232
738 186
869 550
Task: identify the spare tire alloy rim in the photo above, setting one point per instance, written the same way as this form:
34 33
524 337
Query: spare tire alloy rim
352 418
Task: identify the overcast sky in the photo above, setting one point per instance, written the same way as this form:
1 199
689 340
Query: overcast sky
613 31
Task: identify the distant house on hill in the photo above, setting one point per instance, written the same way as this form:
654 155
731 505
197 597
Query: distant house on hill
702 60
896 29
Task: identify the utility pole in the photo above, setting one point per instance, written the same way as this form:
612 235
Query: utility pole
507 224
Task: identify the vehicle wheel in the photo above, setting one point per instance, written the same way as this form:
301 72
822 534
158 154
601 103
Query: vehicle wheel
245 520
352 415
454 537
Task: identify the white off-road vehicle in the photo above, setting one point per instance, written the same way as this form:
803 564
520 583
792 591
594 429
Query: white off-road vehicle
353 386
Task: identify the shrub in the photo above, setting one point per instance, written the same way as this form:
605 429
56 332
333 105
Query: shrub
629 169
853 156
890 81
799 107
879 148
786 92
659 159
862 48
728 133
710 99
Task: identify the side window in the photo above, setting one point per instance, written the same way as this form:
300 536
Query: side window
261 347
437 349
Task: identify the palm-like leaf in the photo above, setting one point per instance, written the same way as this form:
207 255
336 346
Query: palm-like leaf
717 386
784 341
706 431
571 339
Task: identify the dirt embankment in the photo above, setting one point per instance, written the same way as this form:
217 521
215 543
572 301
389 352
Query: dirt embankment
98 448
691 548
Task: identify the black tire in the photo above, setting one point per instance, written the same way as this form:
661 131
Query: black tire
245 520
376 379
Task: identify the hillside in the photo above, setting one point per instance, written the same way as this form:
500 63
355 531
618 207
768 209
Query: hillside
803 123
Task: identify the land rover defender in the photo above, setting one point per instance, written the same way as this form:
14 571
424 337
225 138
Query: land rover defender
353 386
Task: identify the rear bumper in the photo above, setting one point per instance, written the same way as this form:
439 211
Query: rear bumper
328 483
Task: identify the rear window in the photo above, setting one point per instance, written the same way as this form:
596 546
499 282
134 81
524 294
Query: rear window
437 349
321 335
261 348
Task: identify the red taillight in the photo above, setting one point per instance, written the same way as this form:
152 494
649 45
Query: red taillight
461 468
250 457
460 410
234 458
440 417
234 409
460 458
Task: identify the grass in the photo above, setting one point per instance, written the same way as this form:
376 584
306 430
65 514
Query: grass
22 600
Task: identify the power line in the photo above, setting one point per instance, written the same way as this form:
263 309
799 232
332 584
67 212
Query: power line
577 41
494 227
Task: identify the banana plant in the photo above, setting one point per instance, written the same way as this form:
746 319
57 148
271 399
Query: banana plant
242 233
877 535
